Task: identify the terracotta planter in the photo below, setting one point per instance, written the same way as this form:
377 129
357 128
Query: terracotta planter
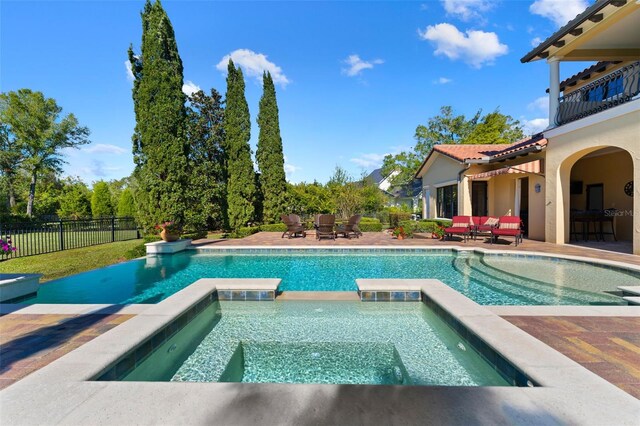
401 237
166 236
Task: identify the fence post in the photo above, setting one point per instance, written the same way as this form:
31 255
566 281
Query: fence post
61 235
113 228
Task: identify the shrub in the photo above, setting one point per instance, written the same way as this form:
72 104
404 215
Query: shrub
244 231
195 235
396 217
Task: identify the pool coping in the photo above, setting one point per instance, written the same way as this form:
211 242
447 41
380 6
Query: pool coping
61 392
453 248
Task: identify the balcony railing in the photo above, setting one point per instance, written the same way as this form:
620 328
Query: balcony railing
607 92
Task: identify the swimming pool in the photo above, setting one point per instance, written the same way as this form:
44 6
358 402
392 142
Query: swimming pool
320 342
487 279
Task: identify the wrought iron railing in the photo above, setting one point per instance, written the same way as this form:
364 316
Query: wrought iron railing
607 92
45 237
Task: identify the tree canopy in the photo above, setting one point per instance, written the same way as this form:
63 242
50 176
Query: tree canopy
241 180
207 206
34 135
101 200
160 146
449 128
269 155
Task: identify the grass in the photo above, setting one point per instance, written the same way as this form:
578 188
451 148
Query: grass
68 262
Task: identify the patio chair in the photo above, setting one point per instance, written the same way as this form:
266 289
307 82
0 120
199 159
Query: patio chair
508 226
351 227
293 229
461 226
483 225
326 222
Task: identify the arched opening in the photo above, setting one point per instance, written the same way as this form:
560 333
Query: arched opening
597 189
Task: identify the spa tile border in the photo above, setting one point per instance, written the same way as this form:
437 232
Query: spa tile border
514 375
140 353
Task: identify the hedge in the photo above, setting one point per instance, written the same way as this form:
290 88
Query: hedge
425 225
244 231
274 227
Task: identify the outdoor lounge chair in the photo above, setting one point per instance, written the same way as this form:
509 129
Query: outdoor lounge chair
483 225
461 226
326 222
351 227
293 228
509 226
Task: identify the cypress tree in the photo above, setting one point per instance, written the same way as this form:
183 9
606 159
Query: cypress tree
160 148
101 200
241 188
269 154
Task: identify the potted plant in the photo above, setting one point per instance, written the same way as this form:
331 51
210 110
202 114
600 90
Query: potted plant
170 231
400 233
6 247
438 232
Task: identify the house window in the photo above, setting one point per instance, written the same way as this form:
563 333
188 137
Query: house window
609 90
447 201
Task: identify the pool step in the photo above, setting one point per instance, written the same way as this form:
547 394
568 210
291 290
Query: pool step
630 290
540 288
319 295
632 300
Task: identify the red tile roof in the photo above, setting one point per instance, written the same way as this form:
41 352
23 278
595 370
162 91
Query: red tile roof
464 152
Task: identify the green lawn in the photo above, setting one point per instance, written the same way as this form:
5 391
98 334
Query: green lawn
68 262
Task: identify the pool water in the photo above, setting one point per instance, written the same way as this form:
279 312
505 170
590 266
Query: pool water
488 280
335 342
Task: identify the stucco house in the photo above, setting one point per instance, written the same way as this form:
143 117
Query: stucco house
582 173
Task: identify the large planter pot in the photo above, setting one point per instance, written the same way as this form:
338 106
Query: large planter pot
401 237
168 237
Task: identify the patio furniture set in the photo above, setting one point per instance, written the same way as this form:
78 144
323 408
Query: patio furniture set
325 226
493 227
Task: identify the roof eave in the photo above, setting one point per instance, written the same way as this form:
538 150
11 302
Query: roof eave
570 26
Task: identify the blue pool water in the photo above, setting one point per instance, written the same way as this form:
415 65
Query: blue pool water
489 280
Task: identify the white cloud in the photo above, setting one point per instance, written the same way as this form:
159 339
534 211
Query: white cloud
540 104
442 80
357 65
189 88
536 41
254 65
476 48
559 11
536 125
467 10
289 168
369 160
130 75
103 148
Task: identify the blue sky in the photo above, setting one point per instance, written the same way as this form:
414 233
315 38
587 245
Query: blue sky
354 79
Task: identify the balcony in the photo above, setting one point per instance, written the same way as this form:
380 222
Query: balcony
607 92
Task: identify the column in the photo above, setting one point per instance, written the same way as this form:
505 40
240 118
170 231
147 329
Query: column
554 89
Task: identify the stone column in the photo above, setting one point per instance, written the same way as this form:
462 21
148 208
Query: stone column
554 89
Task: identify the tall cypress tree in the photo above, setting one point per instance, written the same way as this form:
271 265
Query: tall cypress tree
241 188
269 154
160 147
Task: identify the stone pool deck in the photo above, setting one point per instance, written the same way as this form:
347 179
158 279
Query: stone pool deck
376 239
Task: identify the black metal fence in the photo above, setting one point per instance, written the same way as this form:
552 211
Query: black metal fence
33 238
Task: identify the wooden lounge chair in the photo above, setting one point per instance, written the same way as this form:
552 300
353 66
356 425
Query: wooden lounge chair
509 226
326 222
461 226
350 227
293 229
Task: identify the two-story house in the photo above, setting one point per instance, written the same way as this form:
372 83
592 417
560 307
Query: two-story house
579 178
